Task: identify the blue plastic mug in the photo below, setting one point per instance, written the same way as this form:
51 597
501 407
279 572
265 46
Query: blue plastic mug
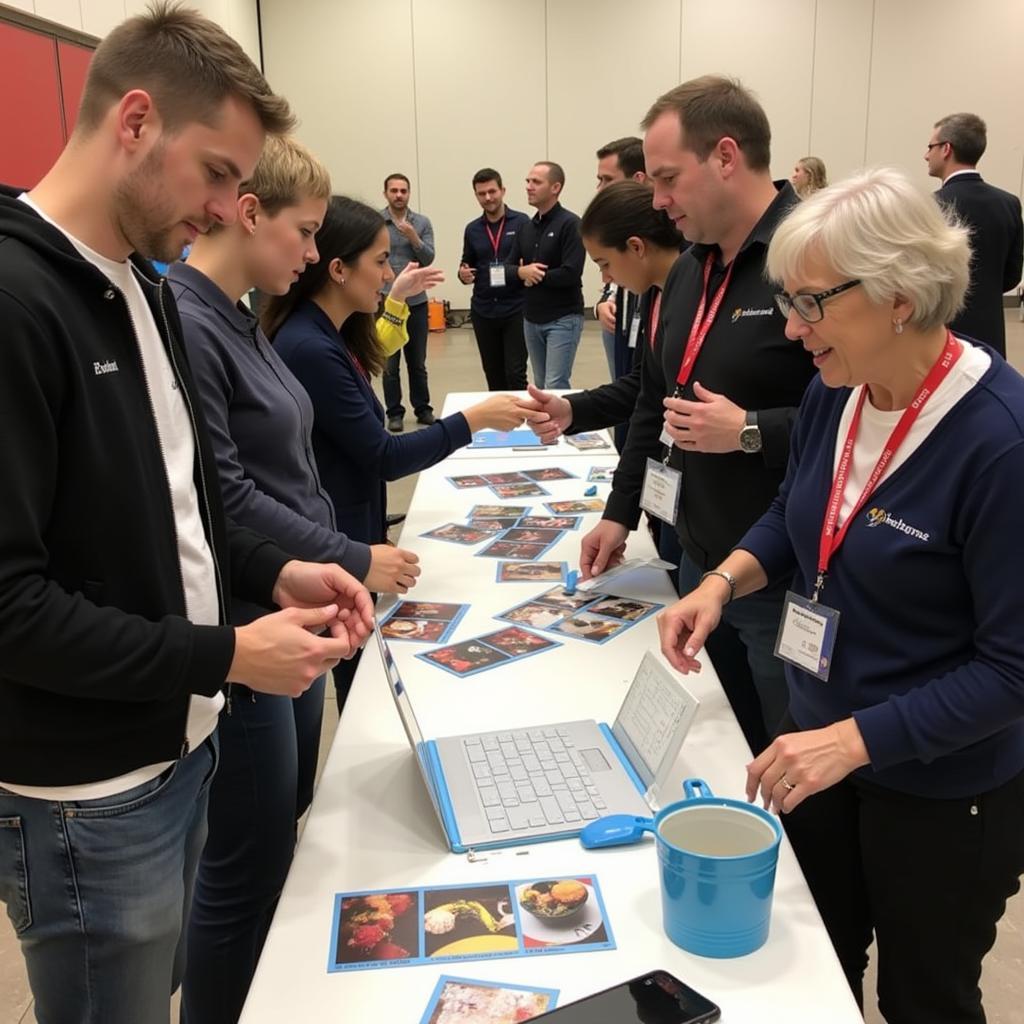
717 862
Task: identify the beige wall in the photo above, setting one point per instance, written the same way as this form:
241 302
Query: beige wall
98 17
439 88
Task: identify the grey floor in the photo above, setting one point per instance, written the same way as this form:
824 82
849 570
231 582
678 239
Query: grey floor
454 366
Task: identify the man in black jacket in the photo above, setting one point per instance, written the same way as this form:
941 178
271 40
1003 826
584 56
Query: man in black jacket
551 267
115 556
719 392
994 217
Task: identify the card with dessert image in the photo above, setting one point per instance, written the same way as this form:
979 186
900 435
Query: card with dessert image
481 653
422 621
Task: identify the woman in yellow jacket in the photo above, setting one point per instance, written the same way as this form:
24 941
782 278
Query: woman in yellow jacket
392 324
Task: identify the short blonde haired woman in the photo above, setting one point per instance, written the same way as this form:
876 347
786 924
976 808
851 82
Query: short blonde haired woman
901 767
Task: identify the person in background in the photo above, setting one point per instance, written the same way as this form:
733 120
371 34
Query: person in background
551 267
997 232
412 241
117 562
496 308
900 768
323 329
808 176
620 160
261 423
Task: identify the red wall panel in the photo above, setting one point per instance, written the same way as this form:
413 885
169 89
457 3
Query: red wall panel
31 134
74 62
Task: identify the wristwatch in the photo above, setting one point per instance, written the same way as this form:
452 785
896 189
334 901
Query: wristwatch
750 435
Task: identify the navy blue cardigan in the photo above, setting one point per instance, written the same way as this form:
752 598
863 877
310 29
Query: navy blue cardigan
354 452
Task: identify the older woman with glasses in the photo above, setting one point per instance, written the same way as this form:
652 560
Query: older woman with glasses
901 769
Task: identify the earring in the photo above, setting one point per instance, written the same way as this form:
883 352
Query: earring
898 325
341 280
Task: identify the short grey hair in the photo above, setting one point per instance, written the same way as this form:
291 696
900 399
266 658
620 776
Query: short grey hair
877 227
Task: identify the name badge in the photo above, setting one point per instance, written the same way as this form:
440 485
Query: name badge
807 635
661 490
497 275
634 330
666 438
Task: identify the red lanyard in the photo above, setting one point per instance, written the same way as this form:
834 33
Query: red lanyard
701 323
830 539
495 239
655 314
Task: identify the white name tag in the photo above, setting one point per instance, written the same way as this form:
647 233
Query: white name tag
661 490
634 330
666 438
497 275
807 635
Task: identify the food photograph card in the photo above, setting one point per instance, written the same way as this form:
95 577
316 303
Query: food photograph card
575 507
494 525
587 442
474 921
463 483
531 572
480 653
422 621
492 511
510 549
470 1001
596 618
527 489
600 474
549 522
456 533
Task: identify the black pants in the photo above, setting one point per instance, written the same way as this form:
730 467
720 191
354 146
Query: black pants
502 351
929 878
415 350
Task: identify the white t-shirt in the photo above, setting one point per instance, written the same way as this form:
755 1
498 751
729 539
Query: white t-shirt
197 570
876 425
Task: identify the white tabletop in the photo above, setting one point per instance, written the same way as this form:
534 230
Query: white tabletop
456 401
371 825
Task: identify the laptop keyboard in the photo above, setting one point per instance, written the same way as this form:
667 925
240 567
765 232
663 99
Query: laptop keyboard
532 778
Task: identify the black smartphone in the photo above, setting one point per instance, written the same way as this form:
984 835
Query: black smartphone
655 998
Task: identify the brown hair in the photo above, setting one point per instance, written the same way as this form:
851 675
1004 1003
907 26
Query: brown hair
630 151
712 107
966 135
187 63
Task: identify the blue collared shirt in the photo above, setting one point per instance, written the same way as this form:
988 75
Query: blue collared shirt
402 251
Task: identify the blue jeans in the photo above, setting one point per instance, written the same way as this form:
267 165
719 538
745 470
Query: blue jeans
268 755
742 650
415 351
552 349
98 891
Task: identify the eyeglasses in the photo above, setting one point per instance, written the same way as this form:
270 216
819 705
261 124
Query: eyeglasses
932 145
809 307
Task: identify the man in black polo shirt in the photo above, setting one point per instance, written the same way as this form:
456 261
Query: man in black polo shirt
552 258
721 349
488 245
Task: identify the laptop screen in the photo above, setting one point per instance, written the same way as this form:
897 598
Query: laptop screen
408 717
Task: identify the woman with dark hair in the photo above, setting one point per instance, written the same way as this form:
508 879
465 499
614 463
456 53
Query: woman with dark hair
324 330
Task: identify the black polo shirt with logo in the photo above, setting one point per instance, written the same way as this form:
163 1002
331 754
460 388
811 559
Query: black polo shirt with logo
746 357
554 239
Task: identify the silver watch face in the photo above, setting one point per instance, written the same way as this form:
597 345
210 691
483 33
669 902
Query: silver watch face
750 439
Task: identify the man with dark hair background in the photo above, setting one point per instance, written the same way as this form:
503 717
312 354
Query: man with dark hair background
957 143
489 245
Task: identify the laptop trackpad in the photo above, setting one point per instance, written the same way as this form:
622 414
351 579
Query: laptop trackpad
595 759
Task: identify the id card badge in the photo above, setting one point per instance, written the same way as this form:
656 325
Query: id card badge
634 330
807 635
497 275
661 490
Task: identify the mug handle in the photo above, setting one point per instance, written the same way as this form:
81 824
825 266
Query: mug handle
695 788
615 830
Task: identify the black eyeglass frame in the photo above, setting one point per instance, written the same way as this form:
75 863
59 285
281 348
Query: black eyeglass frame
932 145
787 302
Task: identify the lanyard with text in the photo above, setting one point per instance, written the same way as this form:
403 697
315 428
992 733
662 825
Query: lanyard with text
655 314
702 323
495 238
830 538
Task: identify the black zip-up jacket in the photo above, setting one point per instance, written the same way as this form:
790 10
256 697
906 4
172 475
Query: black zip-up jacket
97 660
746 357
553 239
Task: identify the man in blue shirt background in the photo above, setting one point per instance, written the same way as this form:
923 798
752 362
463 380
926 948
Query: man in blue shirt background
412 241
